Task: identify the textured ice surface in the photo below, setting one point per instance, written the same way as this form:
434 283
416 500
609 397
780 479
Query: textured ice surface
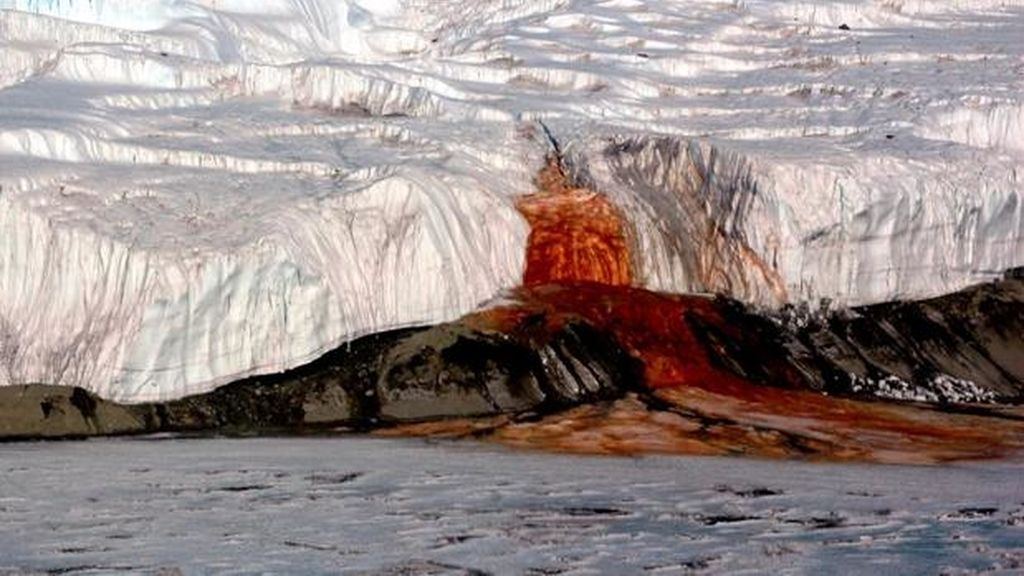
944 388
361 506
194 192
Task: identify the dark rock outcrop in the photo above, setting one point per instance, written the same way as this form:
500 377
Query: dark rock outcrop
337 388
447 371
547 354
452 371
40 411
963 347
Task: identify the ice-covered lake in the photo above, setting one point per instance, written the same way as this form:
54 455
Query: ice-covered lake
383 506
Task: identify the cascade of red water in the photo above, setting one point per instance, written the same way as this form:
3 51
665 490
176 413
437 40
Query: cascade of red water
578 241
579 269
576 235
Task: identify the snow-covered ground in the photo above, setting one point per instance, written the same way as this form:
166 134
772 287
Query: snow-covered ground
191 192
355 506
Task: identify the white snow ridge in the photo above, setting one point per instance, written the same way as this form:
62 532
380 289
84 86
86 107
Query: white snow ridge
193 192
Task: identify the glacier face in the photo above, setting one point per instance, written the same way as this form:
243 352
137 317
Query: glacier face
195 192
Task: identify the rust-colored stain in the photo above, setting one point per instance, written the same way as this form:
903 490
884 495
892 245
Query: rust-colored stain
795 424
692 402
706 409
790 424
653 327
578 265
576 235
859 430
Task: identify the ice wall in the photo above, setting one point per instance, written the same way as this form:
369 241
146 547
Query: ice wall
191 192
172 220
700 220
865 228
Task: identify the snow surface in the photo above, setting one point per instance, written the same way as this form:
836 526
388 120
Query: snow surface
943 388
368 506
192 192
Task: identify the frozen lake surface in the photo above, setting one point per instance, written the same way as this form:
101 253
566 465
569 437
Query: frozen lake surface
382 506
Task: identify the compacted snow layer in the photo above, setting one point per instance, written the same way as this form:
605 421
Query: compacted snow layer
195 192
365 506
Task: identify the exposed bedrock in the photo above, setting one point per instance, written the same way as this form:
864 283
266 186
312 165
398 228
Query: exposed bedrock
967 346
447 371
41 411
453 370
557 346
964 347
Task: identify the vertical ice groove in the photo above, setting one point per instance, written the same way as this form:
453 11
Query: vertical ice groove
698 215
708 219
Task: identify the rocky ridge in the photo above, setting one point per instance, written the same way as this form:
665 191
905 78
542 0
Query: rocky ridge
531 359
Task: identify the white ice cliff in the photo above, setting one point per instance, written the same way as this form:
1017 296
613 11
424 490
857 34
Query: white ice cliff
192 192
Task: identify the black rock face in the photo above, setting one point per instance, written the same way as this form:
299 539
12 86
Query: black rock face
447 371
963 347
337 388
453 372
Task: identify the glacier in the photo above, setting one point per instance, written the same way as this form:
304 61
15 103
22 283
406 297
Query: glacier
194 192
